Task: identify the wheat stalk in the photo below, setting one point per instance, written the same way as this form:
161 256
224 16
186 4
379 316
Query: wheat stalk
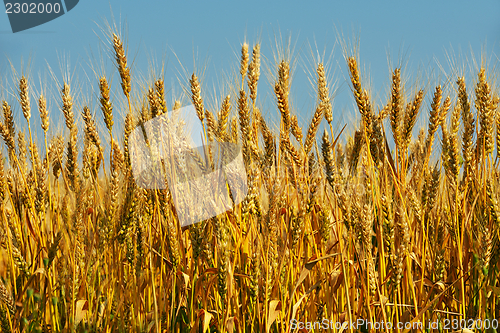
254 73
121 60
323 94
196 97
313 128
106 106
244 63
223 118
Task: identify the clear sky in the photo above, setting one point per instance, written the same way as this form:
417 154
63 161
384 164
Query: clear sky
421 33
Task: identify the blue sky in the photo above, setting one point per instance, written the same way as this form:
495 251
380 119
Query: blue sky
421 34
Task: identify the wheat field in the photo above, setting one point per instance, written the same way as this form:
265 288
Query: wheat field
387 224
